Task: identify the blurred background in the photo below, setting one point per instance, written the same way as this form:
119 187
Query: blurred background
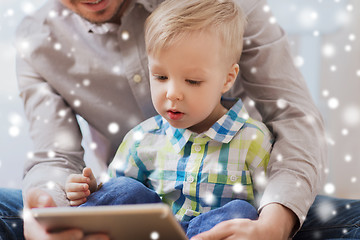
325 40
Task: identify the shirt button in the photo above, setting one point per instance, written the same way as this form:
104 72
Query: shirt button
137 78
197 148
233 178
190 179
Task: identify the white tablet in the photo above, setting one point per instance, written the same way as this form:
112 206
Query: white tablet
129 222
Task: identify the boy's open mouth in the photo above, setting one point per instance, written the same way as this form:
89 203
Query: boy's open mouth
175 115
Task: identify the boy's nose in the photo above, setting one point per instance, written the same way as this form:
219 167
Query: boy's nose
174 93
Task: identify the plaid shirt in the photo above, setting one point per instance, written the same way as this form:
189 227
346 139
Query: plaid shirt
192 172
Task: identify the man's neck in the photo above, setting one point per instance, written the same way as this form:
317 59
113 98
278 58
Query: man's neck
123 7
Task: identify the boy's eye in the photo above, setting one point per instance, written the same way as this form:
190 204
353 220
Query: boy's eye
193 82
161 78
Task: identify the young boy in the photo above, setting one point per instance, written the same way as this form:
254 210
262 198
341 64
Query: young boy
196 155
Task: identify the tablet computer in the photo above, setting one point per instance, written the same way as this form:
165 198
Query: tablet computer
135 222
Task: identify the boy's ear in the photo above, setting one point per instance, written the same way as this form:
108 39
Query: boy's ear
231 77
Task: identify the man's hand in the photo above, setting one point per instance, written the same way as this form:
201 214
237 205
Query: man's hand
239 229
79 186
36 198
276 222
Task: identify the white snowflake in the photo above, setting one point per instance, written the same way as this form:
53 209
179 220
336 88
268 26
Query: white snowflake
333 103
154 235
57 46
352 37
281 103
299 61
209 198
138 136
125 35
238 188
266 8
348 158
51 154
62 113
77 103
30 155
86 82
104 177
50 185
324 211
93 145
328 50
344 132
27 7
329 188
14 131
113 128
272 20
325 93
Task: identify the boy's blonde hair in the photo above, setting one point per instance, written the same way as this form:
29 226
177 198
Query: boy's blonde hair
173 19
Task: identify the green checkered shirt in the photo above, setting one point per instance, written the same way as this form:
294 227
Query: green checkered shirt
192 172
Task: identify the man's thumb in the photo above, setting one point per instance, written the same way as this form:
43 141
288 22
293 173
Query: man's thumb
36 198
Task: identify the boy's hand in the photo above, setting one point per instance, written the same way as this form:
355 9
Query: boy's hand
79 186
266 227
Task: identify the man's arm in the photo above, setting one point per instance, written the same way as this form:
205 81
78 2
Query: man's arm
56 136
268 76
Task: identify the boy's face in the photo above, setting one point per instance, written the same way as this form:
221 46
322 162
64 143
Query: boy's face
187 80
97 11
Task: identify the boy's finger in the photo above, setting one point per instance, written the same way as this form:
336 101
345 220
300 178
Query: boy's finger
77 202
73 196
87 172
76 187
77 178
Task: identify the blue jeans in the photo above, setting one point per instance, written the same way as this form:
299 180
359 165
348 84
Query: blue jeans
328 218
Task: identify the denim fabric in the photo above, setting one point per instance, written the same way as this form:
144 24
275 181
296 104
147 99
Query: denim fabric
11 206
231 210
122 190
328 218
331 218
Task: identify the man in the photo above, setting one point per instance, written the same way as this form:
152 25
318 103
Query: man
87 58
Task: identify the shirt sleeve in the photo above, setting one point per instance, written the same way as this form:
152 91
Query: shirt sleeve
258 154
53 128
269 77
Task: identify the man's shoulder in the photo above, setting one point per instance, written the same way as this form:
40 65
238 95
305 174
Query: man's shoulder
38 22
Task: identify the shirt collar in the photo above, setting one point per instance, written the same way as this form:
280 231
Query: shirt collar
222 131
104 28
